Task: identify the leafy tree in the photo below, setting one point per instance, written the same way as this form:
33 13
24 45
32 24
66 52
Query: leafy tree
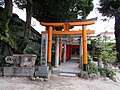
50 10
83 8
103 50
27 4
111 8
61 10
108 54
5 16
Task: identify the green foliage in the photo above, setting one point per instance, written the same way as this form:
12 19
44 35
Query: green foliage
101 47
109 57
34 49
8 28
61 10
108 51
85 6
107 72
110 73
104 72
5 33
92 68
50 66
109 7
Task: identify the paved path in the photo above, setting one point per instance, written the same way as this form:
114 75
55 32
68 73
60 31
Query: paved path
70 66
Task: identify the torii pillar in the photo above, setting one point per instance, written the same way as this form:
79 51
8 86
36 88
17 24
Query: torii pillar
50 44
85 59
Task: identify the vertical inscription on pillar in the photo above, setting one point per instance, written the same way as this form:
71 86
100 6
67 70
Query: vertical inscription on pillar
44 45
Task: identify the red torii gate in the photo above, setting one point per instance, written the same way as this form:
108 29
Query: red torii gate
66 26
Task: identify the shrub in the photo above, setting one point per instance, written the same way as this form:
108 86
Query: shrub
34 49
104 72
107 72
50 66
92 68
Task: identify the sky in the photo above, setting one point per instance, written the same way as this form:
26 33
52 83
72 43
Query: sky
99 25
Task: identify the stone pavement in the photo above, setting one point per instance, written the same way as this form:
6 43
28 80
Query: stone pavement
70 66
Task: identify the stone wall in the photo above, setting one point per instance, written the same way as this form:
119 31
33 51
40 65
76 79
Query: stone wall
19 71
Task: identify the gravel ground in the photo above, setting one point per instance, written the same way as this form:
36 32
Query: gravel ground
57 83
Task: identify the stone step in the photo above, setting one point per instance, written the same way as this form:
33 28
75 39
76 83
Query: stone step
56 71
67 74
72 72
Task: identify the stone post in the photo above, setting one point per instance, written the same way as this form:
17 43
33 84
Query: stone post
44 50
100 61
57 52
64 57
43 69
81 54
